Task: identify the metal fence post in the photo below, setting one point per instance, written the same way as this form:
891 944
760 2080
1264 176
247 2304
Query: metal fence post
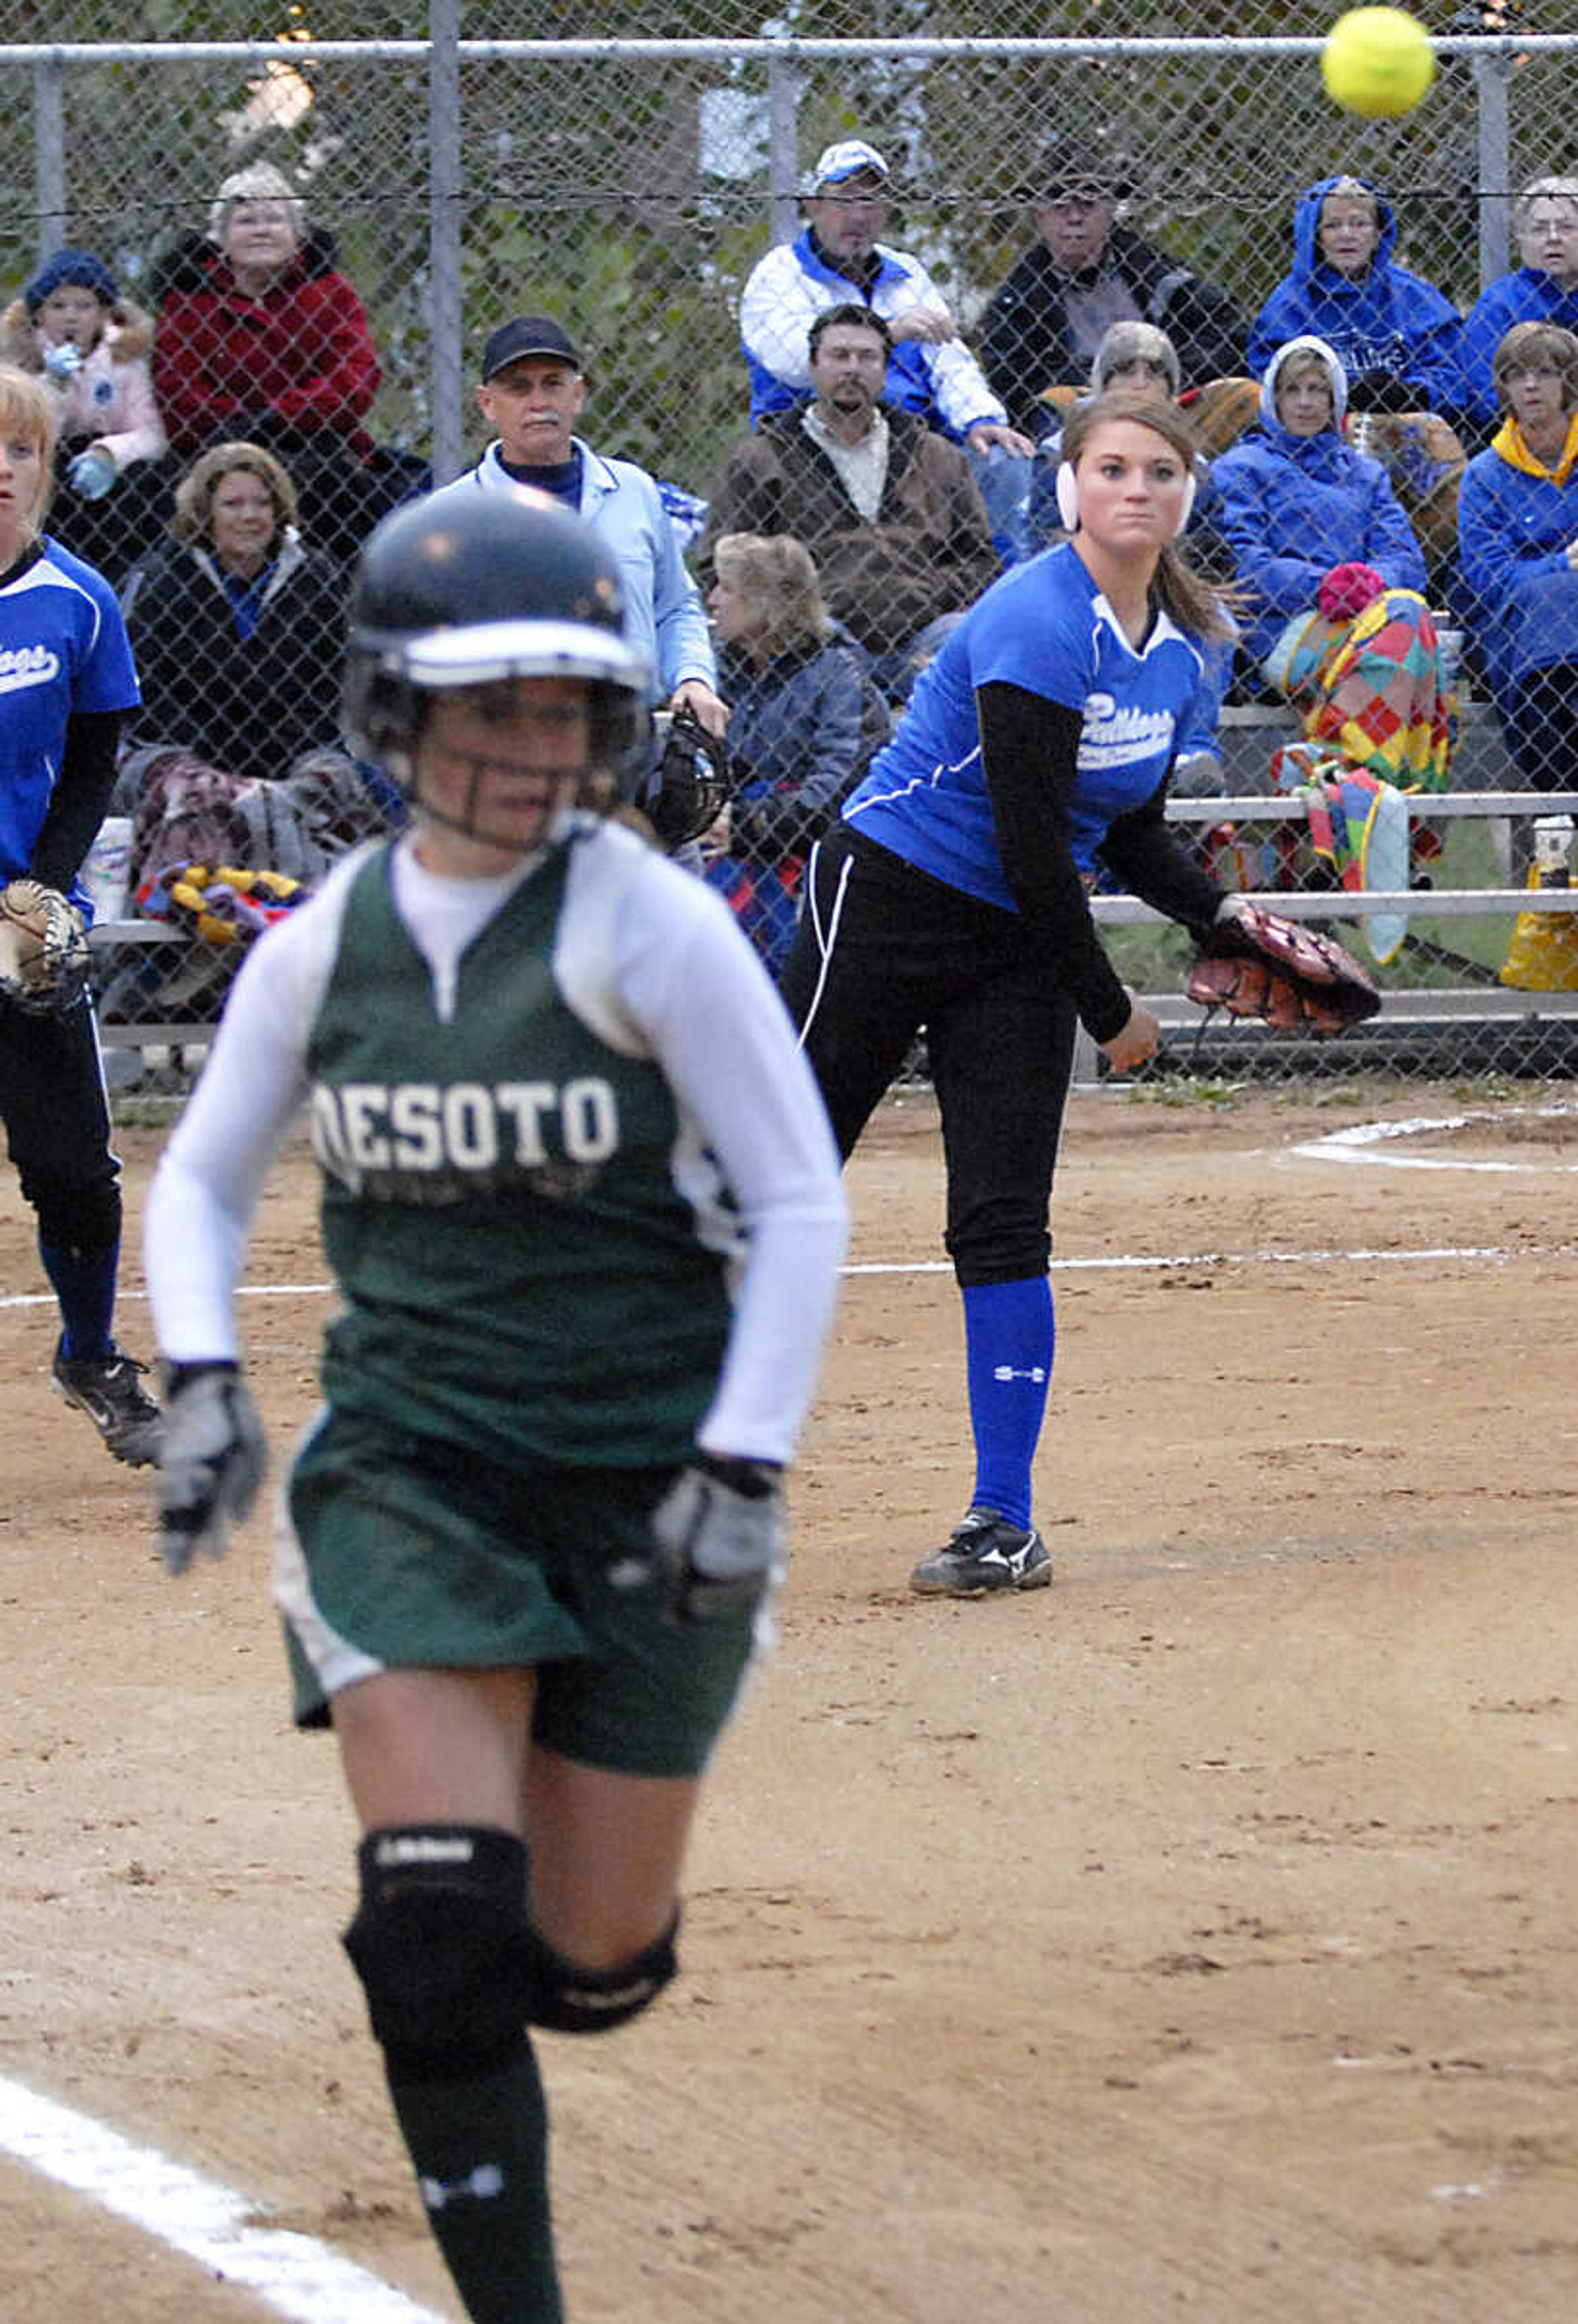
1491 77
783 87
444 240
49 149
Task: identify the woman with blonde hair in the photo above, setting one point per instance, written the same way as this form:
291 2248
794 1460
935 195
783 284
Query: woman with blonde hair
237 624
805 718
69 682
260 336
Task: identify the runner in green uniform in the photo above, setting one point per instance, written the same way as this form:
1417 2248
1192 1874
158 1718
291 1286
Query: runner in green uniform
582 1207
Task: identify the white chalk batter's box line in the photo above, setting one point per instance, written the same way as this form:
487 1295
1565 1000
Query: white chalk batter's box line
292 2275
1370 1142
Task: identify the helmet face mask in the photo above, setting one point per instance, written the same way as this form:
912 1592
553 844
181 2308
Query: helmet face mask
690 782
459 599
504 763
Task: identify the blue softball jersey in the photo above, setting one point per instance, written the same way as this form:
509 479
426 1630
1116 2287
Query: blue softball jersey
1045 627
62 648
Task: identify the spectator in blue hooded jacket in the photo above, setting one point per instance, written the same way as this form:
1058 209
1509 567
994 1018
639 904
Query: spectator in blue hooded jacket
1543 289
1398 338
1327 564
1518 519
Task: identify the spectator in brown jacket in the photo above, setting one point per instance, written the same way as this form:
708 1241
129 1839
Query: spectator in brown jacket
889 510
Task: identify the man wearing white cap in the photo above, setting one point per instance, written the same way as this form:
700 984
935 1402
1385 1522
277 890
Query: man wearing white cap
836 260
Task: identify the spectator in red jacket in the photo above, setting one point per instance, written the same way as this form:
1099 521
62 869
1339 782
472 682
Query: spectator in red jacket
259 339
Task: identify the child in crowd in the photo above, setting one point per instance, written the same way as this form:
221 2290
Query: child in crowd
91 347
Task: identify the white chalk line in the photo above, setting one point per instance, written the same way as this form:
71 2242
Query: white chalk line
292 2274
1364 1142
1132 1262
1117 1264
1367 1143
1431 1257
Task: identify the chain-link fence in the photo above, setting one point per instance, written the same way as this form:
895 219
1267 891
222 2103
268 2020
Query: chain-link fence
561 162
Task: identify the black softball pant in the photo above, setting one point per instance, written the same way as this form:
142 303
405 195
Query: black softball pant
881 950
57 1118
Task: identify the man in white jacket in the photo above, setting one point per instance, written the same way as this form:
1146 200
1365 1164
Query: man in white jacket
836 259
532 390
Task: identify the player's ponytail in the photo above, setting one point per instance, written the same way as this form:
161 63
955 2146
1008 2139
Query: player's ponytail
1199 608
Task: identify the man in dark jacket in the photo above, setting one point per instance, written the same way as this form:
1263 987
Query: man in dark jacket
889 510
1042 328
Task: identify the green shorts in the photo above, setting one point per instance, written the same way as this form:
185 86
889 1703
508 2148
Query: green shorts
393 1552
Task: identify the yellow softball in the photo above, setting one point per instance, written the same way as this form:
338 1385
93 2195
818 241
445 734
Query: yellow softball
1377 62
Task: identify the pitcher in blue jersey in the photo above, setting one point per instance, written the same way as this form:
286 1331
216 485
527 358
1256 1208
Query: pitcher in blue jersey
955 896
66 679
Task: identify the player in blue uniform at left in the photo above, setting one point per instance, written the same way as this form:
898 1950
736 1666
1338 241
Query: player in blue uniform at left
955 896
65 679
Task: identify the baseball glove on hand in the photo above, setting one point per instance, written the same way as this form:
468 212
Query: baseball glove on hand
1256 964
43 948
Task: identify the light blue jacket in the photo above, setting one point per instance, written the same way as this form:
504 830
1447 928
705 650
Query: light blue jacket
623 505
1513 530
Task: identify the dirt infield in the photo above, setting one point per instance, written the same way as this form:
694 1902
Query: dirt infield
1197 1938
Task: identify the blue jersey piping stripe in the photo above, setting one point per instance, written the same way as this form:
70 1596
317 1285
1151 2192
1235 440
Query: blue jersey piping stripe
45 574
925 782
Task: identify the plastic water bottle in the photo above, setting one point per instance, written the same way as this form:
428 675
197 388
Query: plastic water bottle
107 868
92 473
1553 849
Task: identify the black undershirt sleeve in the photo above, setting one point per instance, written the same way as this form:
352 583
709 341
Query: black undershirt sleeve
1143 851
1029 754
80 798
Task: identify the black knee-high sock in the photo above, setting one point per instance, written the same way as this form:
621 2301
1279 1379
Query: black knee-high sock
478 2136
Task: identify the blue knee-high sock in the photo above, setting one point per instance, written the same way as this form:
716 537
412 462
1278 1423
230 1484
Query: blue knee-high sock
85 1286
1009 1334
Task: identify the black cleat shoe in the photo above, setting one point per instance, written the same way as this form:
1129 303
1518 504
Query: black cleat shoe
109 1389
985 1554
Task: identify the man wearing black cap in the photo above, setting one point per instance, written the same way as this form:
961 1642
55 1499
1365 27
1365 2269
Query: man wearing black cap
1085 273
533 386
